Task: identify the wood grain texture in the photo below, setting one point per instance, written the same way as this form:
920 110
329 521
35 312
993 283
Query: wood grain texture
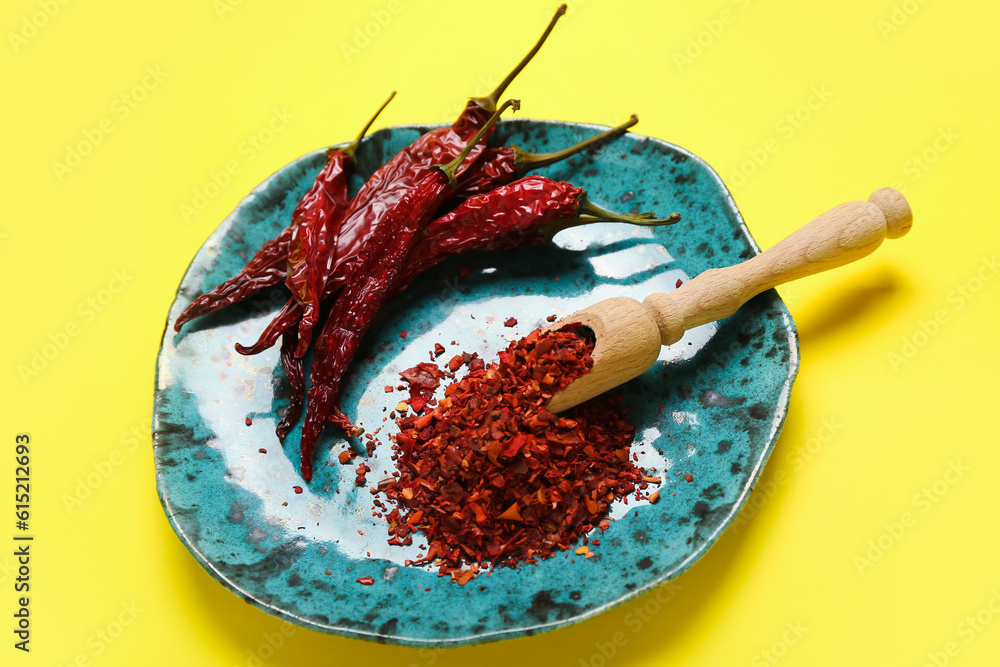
628 343
629 334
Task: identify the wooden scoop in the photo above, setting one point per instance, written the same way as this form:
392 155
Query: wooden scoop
629 334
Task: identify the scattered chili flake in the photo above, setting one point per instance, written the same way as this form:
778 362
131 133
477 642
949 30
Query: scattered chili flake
402 334
605 524
366 581
513 513
678 283
361 471
388 389
550 318
423 379
438 349
510 321
489 476
297 489
688 478
249 422
328 572
345 456
262 450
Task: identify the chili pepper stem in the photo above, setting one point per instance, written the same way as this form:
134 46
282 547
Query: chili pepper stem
588 213
587 207
489 103
353 146
525 162
450 169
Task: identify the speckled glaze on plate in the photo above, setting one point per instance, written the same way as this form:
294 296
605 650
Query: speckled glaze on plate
711 408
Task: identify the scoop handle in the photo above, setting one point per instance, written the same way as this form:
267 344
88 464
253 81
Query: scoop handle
839 236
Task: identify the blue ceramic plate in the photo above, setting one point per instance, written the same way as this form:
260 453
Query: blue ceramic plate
711 407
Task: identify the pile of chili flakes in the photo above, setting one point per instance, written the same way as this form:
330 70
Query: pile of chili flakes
488 476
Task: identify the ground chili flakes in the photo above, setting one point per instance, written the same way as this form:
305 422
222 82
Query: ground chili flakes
489 476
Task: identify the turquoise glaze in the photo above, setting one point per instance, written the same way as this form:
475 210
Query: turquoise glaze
711 407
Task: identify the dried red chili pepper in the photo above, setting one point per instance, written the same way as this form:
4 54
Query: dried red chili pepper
526 211
499 166
367 288
489 475
315 230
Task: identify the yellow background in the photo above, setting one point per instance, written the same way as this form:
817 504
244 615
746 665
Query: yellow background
902 82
